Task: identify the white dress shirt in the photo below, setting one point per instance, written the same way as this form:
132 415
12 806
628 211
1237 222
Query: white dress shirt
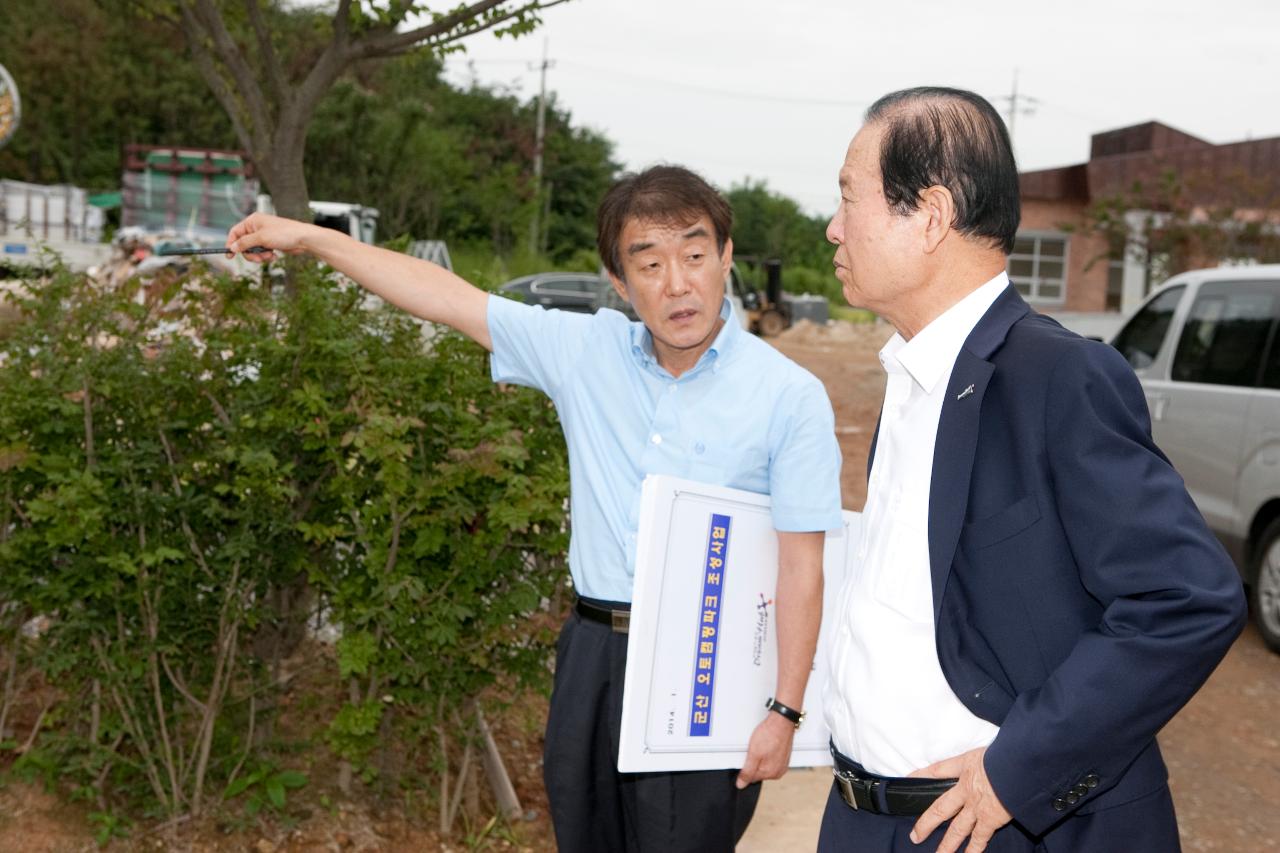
887 703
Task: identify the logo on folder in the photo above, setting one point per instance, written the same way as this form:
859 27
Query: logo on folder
762 630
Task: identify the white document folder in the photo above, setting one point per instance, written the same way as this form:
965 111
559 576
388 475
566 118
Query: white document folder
702 650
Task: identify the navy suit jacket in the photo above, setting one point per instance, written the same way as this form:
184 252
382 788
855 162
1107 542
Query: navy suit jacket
1079 598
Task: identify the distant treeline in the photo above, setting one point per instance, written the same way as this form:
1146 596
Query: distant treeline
437 160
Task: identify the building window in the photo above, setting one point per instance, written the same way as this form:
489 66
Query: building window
1038 266
1115 285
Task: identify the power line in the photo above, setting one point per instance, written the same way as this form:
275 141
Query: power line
1014 109
690 87
686 86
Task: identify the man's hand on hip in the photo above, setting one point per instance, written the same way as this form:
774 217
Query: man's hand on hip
972 806
769 751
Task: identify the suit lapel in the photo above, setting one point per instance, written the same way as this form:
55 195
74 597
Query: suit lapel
953 464
957 438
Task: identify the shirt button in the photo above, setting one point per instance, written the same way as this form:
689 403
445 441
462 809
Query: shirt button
657 439
671 387
699 447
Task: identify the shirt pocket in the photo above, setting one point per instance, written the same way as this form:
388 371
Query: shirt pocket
905 584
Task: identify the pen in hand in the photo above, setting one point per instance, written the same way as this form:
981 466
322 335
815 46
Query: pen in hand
211 251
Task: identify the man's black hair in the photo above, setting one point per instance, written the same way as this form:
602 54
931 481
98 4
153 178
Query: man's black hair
935 136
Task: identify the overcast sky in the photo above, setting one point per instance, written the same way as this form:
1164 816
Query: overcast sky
775 90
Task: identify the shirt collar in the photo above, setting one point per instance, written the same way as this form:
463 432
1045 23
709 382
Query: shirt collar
721 347
931 353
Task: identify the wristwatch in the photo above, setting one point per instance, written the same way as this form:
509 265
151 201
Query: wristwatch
785 711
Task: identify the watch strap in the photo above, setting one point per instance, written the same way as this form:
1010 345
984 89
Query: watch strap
785 711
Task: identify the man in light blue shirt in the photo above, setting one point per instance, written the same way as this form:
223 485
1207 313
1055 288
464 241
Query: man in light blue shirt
684 392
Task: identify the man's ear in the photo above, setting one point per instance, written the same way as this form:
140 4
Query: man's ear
939 212
619 286
726 257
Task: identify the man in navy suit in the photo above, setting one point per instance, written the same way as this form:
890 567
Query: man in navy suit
1037 595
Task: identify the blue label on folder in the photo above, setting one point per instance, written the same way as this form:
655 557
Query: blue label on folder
708 638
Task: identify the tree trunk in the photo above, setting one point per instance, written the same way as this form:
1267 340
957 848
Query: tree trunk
285 179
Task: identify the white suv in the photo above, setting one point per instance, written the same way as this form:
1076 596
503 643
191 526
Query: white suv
1206 347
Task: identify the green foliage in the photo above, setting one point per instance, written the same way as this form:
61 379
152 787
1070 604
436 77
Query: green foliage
455 164
109 827
799 279
168 467
852 315
36 765
267 786
480 266
769 225
1189 220
94 75
353 732
436 160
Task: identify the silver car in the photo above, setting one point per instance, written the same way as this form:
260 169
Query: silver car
1206 347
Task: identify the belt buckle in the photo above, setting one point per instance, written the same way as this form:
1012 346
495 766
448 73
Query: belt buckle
621 621
850 788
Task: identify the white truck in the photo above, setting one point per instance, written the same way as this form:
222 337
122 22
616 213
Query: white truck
37 220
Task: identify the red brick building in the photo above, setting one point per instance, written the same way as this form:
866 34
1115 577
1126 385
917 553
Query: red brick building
1060 263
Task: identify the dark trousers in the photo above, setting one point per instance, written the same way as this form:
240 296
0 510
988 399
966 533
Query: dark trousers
596 809
1127 828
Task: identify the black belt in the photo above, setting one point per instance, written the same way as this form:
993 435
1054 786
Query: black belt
865 791
617 616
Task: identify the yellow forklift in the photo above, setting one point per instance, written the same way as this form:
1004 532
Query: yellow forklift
767 313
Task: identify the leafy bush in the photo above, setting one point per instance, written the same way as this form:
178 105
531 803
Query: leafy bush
190 473
820 282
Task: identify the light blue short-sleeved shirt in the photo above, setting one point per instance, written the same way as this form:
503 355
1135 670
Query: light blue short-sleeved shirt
745 416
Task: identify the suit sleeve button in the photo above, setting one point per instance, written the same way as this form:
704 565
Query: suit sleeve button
1072 797
1059 804
1092 780
1080 790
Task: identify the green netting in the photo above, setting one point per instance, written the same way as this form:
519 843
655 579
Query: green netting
204 196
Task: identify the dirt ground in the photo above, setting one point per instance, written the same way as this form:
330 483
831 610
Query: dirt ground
1223 749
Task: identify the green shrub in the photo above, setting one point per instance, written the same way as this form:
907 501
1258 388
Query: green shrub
182 486
808 280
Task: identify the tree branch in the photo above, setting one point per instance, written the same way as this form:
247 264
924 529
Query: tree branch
342 21
231 55
181 685
213 78
87 403
275 75
397 522
223 418
130 719
441 31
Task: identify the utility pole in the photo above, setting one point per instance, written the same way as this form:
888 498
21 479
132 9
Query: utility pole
1014 108
535 229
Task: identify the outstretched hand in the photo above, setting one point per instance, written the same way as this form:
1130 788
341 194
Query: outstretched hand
972 806
273 233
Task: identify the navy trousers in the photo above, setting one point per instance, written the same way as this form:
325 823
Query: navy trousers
1112 830
596 809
